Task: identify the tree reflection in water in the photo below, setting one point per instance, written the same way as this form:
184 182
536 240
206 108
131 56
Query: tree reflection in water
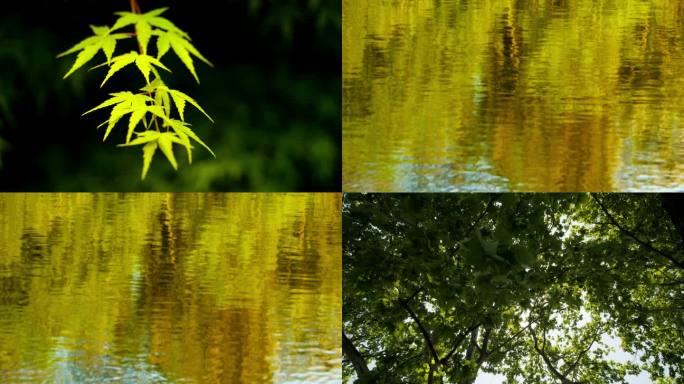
210 288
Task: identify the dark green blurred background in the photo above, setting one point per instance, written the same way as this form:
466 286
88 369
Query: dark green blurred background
274 95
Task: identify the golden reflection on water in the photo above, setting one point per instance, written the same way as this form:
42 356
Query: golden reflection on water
182 288
523 95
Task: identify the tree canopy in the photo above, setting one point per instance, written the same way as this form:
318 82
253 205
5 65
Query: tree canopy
439 288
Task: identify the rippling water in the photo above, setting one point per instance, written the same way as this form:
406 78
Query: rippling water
524 95
170 288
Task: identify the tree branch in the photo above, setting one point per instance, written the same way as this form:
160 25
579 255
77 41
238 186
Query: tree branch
627 232
471 347
501 345
492 199
135 8
572 366
459 341
549 364
484 354
422 329
354 356
414 294
481 216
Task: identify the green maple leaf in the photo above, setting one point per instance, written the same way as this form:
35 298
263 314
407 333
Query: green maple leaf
179 98
153 140
142 61
125 103
181 46
149 138
102 40
148 153
183 128
162 93
144 24
143 138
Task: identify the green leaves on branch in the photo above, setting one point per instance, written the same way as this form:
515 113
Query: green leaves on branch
168 36
181 46
125 103
183 130
103 40
149 110
146 26
145 23
163 92
143 62
152 141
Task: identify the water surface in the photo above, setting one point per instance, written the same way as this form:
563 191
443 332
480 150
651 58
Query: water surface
519 95
170 288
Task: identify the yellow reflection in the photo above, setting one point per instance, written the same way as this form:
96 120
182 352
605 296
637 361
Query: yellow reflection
204 288
513 95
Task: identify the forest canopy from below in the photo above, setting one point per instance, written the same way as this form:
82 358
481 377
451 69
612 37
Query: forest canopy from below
440 288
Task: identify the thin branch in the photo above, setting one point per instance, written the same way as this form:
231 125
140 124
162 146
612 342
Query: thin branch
459 341
414 294
135 8
476 222
572 366
482 215
503 344
422 329
541 352
627 232
402 363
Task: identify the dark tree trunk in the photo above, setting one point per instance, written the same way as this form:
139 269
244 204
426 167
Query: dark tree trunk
470 354
354 356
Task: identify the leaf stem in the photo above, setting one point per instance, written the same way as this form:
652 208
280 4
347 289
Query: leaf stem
135 8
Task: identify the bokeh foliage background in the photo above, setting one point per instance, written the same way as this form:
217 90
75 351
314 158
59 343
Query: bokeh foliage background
274 94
